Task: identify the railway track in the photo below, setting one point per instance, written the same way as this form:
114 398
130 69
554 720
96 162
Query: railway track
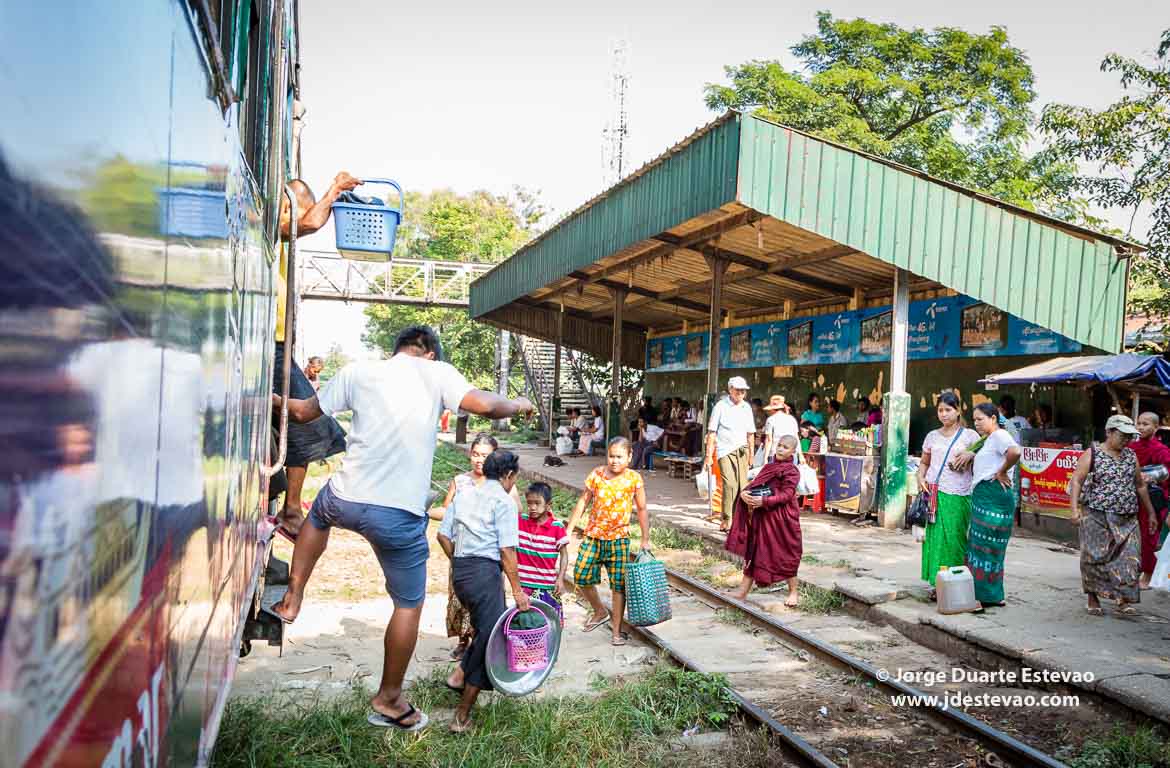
781 677
1006 749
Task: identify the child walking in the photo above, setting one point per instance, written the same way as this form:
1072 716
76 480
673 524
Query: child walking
614 491
540 558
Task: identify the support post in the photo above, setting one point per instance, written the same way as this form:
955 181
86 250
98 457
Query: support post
718 270
614 420
503 372
896 412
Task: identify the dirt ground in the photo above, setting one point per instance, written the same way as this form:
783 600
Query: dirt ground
338 635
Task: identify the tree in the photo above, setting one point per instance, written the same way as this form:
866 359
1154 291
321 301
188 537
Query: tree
1128 145
335 359
953 104
443 225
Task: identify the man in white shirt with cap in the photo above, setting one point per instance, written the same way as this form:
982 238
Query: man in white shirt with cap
731 437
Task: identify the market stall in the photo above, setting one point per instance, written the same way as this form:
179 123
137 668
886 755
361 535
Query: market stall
1126 383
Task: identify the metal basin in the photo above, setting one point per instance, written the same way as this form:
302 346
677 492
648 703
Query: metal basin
521 683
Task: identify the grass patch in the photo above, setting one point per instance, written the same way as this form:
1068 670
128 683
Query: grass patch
735 618
665 538
814 560
627 724
1141 748
814 599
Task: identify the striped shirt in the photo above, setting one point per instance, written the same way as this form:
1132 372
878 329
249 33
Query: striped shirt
536 556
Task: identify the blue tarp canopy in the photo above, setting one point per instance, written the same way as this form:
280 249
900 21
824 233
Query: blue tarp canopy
1091 369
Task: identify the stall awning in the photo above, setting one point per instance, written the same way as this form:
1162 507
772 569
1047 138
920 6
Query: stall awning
806 225
1103 369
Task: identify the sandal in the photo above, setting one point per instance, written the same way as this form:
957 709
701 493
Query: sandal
592 625
458 727
381 720
618 641
1126 608
1094 611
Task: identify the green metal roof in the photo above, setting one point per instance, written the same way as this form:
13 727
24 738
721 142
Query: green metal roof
1043 270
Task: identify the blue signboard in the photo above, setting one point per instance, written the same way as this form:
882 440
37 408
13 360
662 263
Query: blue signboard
951 326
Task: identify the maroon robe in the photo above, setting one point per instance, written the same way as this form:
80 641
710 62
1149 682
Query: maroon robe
1150 451
768 538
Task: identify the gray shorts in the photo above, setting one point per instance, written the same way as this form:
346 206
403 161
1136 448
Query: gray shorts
398 537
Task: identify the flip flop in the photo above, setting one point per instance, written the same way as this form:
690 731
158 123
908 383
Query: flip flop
1127 609
379 720
617 641
592 625
1094 611
458 729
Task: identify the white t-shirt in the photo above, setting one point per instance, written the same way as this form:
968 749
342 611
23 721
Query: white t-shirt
396 405
598 429
990 456
936 444
731 425
780 424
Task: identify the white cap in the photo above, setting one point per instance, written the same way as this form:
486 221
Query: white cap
737 382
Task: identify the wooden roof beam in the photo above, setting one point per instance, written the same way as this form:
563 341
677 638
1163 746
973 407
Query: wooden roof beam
638 290
667 244
524 301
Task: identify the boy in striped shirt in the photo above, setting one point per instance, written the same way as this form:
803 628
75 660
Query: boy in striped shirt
540 558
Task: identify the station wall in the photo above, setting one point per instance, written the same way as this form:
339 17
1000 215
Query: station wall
925 379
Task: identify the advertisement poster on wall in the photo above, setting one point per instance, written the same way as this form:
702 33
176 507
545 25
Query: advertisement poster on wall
931 330
799 343
982 326
696 357
833 340
1044 475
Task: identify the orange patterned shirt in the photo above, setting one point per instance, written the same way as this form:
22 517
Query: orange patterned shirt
613 502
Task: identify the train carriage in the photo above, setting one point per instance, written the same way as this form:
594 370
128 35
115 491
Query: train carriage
143 153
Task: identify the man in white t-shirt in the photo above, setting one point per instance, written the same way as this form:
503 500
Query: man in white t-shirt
381 489
731 437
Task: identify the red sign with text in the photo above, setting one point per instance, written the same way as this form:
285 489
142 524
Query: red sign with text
1044 475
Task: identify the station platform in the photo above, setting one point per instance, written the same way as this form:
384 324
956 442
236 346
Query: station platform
1043 627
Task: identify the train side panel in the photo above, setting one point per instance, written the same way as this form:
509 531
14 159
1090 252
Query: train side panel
136 319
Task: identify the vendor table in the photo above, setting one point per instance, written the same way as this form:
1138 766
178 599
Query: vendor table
851 482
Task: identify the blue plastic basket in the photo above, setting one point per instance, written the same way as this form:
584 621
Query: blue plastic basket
367 232
197 213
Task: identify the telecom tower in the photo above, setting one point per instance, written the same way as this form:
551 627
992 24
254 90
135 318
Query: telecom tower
617 127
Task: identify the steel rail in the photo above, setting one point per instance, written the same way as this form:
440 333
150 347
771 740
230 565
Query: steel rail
1006 747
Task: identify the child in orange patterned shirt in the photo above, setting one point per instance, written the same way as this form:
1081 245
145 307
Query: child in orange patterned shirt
615 491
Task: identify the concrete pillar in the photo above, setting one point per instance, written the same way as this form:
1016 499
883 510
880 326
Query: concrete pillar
896 412
718 270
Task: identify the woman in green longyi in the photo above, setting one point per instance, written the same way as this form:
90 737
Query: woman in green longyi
993 504
945 544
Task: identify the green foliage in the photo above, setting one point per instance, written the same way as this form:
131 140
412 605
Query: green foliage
443 225
954 104
623 726
1128 145
334 360
468 345
814 599
1143 748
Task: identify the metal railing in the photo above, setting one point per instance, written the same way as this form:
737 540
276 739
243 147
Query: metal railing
326 275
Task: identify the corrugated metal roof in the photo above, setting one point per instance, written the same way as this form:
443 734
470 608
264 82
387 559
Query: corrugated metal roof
833 219
1036 268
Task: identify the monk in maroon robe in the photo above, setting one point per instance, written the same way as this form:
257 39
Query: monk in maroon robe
765 530
1150 450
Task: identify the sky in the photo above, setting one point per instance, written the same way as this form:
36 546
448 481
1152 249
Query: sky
471 96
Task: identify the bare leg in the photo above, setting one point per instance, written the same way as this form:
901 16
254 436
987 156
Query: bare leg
401 635
291 517
307 551
594 601
619 612
1093 604
462 721
793 593
745 586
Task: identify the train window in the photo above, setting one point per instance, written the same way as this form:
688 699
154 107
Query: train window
255 94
